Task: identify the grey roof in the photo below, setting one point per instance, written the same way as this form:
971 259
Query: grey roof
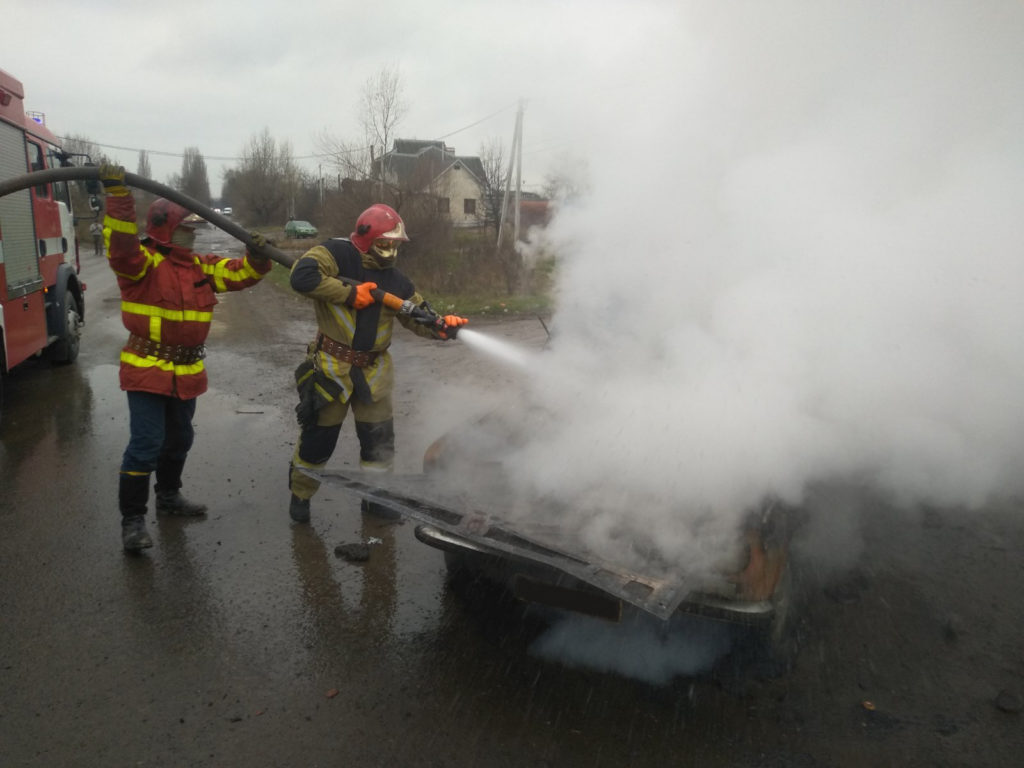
418 163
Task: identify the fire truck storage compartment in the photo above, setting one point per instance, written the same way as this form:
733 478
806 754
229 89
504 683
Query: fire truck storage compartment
20 256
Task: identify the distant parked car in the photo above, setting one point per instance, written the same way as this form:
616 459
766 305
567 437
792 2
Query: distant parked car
296 228
227 210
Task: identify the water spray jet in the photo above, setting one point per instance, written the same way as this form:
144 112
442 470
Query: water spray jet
503 351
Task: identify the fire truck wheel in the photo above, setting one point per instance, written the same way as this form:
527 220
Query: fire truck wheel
65 349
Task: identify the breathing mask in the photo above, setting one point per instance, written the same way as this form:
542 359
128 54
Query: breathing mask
385 250
183 237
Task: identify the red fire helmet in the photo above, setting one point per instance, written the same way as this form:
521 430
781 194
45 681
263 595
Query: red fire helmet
164 217
375 222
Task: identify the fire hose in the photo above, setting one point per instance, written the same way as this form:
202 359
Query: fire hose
422 314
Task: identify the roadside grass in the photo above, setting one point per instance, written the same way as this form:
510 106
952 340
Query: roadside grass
470 304
446 304
490 306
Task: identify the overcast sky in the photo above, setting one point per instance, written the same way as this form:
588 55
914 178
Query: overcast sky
213 74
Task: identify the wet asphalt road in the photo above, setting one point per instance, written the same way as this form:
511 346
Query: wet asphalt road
242 639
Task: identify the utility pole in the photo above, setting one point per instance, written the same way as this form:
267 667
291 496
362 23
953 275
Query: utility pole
517 158
519 173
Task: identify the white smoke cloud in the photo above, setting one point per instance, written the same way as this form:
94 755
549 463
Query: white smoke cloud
642 649
801 260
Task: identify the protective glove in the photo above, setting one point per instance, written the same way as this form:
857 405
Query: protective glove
450 326
360 297
255 254
112 177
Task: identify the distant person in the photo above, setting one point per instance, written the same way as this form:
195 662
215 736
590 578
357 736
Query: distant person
349 365
96 230
167 299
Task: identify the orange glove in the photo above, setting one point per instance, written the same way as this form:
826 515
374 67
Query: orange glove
360 296
452 323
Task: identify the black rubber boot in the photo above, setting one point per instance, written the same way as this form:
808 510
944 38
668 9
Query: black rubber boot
173 503
134 536
298 509
169 500
132 497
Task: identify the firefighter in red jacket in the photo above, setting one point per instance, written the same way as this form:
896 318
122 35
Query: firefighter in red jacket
167 299
349 365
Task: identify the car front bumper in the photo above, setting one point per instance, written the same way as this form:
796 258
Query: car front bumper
544 585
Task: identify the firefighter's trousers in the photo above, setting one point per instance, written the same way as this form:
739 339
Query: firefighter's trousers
161 436
375 429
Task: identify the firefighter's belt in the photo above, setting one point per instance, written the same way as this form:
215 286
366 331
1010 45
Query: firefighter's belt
174 353
358 357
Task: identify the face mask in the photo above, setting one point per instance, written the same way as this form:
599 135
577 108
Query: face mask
386 251
183 237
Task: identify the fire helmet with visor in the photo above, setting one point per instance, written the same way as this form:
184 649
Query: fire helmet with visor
379 230
164 217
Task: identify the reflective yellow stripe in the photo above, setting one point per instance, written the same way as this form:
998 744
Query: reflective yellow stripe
375 371
249 271
179 315
164 365
324 393
216 271
331 368
135 474
136 276
222 275
155 327
117 225
153 258
297 461
346 318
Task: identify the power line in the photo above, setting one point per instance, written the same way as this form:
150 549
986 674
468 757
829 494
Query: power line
318 156
481 120
205 157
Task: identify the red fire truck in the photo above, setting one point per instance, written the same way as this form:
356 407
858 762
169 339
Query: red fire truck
41 294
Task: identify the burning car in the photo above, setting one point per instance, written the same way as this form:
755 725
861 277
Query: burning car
487 530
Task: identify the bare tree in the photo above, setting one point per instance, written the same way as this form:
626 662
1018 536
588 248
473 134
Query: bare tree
262 189
193 181
382 107
82 149
143 169
568 178
492 157
351 160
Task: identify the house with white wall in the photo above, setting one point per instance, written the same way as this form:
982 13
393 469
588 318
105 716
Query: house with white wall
433 168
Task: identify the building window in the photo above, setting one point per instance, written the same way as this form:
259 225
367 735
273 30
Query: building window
469 206
443 205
